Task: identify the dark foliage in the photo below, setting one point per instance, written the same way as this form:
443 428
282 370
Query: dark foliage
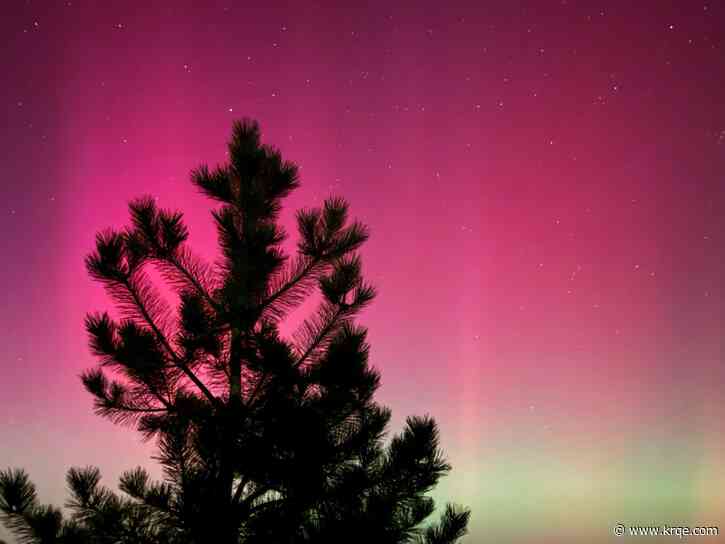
263 439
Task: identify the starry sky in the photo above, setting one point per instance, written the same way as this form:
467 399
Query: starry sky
544 183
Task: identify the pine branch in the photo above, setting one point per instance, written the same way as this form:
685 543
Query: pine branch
165 343
452 527
159 235
290 289
99 508
334 313
18 500
180 261
319 330
111 400
259 492
239 491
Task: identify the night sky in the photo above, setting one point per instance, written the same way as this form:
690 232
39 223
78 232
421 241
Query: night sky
545 187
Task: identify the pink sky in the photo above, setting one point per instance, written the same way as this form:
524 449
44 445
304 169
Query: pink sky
544 187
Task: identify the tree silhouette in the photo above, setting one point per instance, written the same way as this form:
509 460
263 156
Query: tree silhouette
262 438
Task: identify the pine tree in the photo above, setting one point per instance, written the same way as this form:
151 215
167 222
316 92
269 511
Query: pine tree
262 438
